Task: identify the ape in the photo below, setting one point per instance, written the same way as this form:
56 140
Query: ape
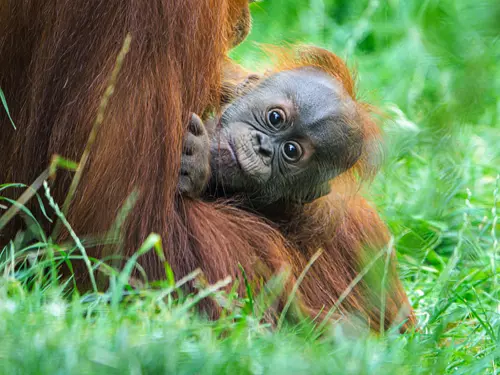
283 139
56 57
280 140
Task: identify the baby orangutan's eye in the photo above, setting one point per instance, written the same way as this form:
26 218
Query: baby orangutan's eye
292 151
276 117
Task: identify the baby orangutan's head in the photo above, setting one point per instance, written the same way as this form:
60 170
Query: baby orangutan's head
286 137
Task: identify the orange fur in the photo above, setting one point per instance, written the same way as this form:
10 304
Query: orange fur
56 57
342 224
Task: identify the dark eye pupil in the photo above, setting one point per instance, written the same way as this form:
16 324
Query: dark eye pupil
275 118
291 151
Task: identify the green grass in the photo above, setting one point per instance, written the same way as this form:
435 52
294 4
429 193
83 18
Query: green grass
433 67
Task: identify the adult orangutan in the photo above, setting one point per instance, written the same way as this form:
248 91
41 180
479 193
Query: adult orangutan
55 58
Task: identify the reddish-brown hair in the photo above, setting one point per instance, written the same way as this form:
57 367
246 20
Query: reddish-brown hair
55 57
342 224
345 225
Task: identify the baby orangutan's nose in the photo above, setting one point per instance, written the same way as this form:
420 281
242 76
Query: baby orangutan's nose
263 146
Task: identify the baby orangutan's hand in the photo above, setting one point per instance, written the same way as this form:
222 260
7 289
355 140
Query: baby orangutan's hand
195 161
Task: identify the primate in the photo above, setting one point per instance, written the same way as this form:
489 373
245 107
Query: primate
280 138
284 140
56 58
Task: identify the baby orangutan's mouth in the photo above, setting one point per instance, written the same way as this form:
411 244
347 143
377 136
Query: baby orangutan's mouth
250 163
223 150
238 151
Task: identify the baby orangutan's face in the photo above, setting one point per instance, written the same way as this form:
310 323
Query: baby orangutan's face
286 138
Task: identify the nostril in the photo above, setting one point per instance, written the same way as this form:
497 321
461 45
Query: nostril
265 145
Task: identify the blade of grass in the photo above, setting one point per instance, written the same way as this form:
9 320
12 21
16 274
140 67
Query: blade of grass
383 295
152 241
95 129
23 199
58 162
295 288
349 288
494 251
73 235
4 103
248 289
485 324
211 289
29 215
189 277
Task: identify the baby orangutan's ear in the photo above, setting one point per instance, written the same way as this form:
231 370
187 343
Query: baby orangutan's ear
248 84
237 81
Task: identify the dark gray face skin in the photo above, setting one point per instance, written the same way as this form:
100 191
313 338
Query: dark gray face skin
285 139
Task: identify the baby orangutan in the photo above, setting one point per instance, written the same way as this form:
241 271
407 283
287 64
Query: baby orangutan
282 139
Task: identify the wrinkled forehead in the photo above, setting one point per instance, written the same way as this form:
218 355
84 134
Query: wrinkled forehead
324 112
312 90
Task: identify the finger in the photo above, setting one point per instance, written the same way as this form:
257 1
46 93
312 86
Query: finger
189 186
196 170
185 185
191 165
196 126
194 145
187 164
189 144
